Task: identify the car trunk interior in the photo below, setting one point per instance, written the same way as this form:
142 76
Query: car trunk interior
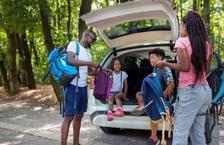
137 66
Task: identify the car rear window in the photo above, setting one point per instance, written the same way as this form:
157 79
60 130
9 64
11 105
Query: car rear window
137 27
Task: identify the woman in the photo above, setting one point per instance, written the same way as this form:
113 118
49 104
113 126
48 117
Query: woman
194 94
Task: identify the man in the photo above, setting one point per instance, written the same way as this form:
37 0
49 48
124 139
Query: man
76 92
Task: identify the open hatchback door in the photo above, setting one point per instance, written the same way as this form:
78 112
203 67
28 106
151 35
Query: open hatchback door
135 23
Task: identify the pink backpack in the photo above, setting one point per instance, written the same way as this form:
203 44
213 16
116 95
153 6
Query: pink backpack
102 86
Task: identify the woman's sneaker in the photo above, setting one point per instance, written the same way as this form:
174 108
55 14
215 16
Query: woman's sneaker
152 142
119 112
109 116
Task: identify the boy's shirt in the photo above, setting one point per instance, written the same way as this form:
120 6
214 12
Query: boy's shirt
165 76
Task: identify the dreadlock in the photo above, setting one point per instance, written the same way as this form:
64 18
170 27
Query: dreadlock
198 38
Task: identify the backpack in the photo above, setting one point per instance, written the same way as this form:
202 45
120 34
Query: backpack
216 81
102 86
62 72
155 105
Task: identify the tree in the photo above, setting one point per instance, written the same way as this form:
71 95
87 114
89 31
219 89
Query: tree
44 8
12 62
85 8
4 71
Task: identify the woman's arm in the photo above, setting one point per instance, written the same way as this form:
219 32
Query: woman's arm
184 62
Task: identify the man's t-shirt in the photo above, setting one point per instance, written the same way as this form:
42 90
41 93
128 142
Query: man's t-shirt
84 55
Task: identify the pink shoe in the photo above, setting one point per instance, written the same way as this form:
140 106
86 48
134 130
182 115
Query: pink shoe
109 116
119 112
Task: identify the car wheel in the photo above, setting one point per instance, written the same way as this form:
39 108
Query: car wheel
110 130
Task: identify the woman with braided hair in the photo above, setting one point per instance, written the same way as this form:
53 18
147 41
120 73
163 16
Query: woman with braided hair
194 94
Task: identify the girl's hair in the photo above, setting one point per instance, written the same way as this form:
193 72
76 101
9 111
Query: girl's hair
113 60
198 37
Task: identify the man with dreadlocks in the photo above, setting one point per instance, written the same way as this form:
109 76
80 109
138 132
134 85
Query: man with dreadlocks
194 94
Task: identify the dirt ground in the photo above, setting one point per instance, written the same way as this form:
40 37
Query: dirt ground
43 94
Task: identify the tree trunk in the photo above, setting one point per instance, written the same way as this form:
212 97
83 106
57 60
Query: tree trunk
194 5
29 69
3 70
21 73
34 50
69 20
206 14
85 8
12 63
46 28
45 25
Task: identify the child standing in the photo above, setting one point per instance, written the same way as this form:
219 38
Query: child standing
118 90
167 82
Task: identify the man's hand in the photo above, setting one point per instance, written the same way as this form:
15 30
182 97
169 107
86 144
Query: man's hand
95 65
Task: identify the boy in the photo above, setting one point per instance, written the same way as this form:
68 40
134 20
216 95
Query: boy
167 82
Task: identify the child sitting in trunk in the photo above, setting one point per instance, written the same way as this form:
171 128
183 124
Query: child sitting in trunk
118 90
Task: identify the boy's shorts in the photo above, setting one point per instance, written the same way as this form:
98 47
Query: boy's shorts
75 103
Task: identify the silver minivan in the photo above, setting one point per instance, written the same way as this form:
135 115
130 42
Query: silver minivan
131 29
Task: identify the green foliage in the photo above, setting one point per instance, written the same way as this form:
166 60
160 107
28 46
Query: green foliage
24 15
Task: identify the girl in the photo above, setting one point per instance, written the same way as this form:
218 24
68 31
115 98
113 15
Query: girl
119 83
194 94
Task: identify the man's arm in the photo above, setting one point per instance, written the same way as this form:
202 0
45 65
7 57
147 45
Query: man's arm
73 61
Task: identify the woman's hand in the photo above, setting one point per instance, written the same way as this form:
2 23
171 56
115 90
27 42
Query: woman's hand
161 64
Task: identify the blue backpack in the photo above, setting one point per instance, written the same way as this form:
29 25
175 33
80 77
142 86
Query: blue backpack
62 72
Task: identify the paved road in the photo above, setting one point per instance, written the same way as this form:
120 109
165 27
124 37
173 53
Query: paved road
23 123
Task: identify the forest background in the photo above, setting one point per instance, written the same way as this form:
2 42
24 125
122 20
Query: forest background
31 29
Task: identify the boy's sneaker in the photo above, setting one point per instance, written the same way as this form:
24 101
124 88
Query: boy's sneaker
138 111
109 116
152 142
119 112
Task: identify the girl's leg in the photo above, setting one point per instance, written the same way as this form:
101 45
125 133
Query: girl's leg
118 99
111 103
119 112
110 109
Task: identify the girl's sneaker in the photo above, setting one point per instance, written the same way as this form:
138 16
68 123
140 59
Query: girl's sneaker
119 112
109 116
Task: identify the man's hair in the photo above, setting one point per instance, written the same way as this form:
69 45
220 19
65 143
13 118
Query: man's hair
158 52
88 33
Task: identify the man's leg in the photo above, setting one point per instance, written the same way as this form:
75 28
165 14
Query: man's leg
76 128
65 129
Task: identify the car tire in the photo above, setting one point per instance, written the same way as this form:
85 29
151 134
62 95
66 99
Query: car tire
110 130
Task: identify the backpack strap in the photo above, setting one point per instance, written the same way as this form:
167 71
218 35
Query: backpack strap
77 54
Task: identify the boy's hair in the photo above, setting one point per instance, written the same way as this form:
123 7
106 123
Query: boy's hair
158 52
113 60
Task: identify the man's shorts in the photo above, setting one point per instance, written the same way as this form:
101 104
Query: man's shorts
75 103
